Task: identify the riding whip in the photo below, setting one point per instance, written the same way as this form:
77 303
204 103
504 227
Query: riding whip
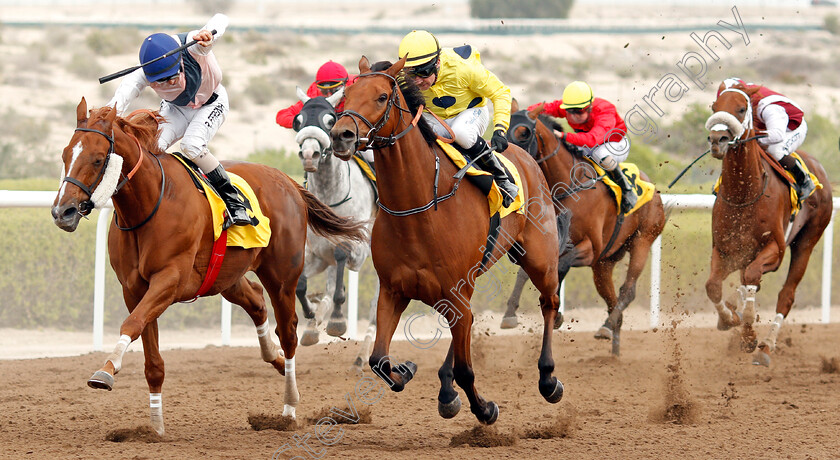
127 71
687 168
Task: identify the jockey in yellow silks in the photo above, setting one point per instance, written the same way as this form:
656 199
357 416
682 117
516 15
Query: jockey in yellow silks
456 87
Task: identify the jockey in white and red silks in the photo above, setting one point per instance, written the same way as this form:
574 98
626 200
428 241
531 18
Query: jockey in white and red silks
783 121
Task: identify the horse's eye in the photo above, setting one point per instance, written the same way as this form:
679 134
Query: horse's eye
328 120
742 110
382 98
297 123
97 162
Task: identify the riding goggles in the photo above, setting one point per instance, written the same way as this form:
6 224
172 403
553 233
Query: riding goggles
329 84
423 70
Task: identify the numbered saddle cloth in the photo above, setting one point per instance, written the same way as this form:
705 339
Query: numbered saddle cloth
494 196
644 190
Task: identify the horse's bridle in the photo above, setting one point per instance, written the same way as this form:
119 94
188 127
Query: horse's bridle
371 137
531 144
387 141
85 207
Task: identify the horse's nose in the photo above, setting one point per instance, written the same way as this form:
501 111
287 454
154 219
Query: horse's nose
65 217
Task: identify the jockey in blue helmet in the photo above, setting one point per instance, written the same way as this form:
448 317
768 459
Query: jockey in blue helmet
194 102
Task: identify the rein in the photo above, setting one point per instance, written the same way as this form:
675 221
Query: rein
738 143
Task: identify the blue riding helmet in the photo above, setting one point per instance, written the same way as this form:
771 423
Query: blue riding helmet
155 46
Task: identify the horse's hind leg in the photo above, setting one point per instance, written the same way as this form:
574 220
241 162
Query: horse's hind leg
154 375
282 295
800 252
312 266
767 259
509 320
337 325
249 295
449 403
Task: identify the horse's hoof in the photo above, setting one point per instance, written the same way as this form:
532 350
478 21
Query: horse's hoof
490 414
101 380
761 359
723 325
552 393
509 322
450 409
558 320
748 346
604 333
407 369
310 337
336 328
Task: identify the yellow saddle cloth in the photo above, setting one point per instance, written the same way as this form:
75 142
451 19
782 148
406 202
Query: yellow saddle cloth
365 167
644 190
794 197
244 236
495 196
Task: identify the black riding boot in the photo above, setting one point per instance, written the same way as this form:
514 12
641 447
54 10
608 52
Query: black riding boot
233 200
628 195
804 185
488 162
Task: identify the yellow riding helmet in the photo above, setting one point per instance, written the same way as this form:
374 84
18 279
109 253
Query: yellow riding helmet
420 46
577 95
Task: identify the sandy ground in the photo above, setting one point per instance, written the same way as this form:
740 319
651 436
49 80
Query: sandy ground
685 392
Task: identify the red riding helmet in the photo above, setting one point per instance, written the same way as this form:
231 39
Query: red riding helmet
331 74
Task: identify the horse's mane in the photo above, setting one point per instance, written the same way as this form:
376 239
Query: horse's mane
550 121
413 98
142 124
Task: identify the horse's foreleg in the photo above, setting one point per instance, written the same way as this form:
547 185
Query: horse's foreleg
157 299
602 275
154 375
714 291
485 411
509 320
449 403
388 310
337 325
767 259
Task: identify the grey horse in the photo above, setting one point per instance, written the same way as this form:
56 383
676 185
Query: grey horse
343 186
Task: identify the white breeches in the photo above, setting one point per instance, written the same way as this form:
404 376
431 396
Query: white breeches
608 155
194 127
467 126
792 141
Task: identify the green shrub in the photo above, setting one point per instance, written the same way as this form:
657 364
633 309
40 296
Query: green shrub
85 67
831 24
119 40
520 9
281 159
261 90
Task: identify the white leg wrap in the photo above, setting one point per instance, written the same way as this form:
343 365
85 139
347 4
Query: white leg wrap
156 412
119 351
773 334
292 396
749 304
268 349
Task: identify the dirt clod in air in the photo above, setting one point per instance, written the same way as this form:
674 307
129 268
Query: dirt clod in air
830 365
679 407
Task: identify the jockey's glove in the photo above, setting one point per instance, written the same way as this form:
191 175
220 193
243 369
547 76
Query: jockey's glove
499 141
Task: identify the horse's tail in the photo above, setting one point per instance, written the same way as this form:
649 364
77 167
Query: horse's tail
328 224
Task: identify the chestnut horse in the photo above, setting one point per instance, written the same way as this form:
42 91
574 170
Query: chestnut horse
428 246
751 220
161 238
598 243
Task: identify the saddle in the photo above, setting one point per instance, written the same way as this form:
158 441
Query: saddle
244 236
644 190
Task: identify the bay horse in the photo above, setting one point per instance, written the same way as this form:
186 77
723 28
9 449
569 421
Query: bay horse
428 247
597 241
161 236
751 220
343 186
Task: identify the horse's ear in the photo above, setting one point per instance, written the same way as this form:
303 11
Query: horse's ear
81 112
751 91
111 116
514 105
335 97
364 65
397 67
533 113
301 95
721 87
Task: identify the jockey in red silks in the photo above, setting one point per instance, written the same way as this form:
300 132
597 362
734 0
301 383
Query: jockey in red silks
330 78
783 121
600 133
